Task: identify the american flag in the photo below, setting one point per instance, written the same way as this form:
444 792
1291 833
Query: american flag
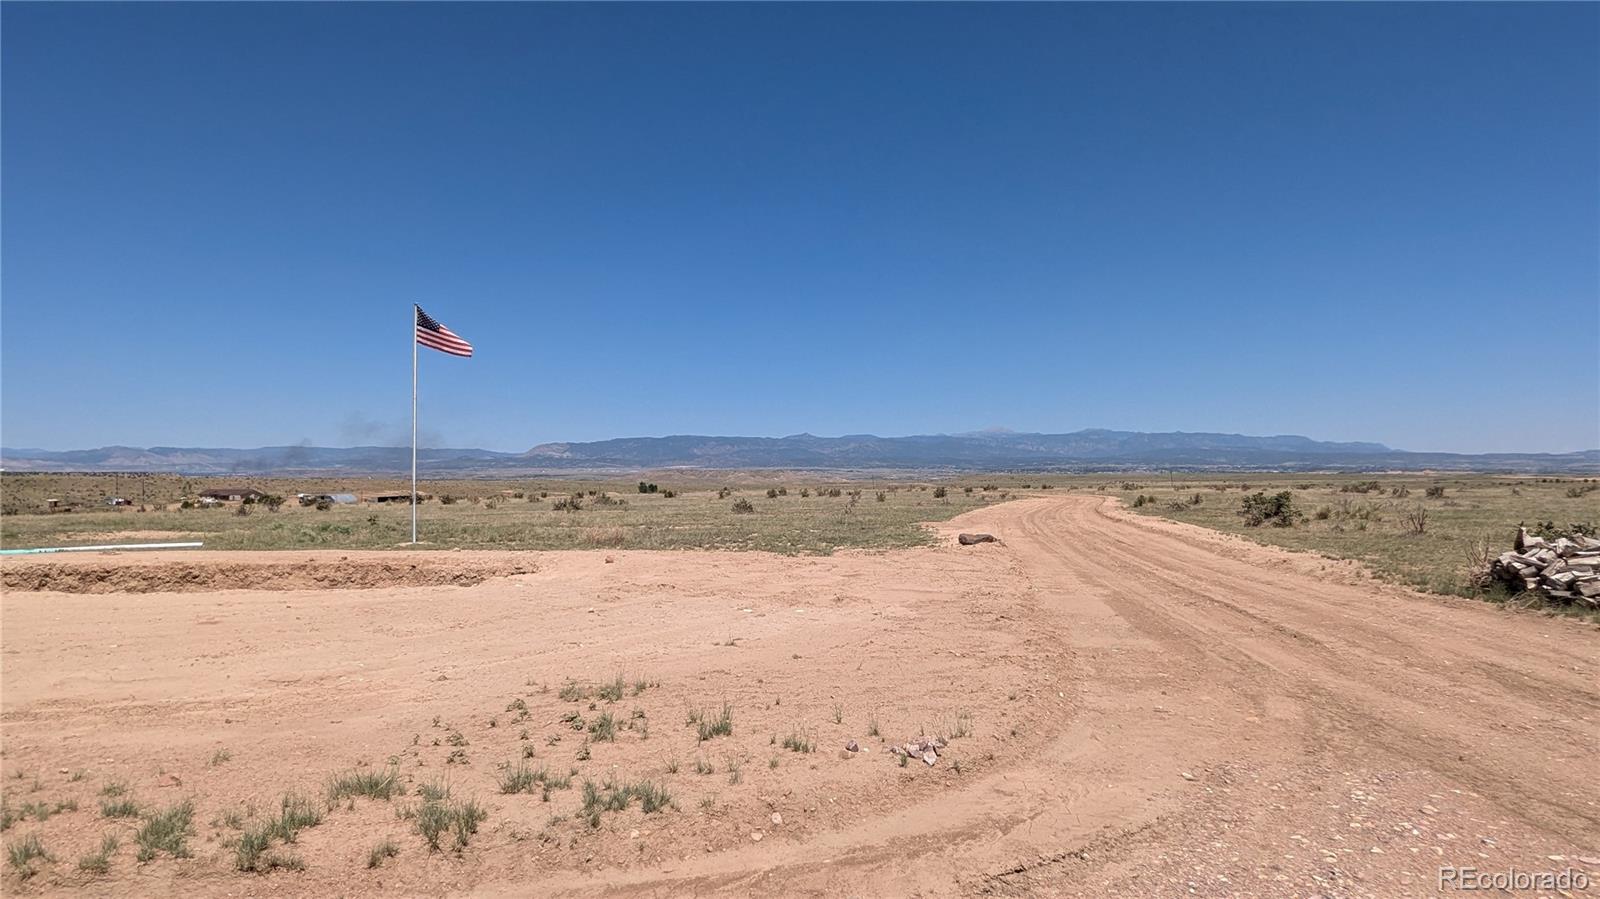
432 334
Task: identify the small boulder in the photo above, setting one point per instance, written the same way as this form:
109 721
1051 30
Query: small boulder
852 746
970 539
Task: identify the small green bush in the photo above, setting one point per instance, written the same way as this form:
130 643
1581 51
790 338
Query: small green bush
167 831
1278 509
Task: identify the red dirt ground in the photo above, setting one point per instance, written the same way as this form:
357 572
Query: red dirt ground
1151 709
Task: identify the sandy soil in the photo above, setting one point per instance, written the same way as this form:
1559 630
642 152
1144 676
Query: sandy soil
1153 709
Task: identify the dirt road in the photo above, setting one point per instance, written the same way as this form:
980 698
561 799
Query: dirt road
1137 708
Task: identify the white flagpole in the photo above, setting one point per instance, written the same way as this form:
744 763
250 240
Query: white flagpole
414 309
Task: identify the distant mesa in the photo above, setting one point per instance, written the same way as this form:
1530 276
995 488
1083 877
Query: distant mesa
990 450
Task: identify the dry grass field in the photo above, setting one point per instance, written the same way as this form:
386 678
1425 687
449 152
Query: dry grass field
1426 532
802 516
1366 518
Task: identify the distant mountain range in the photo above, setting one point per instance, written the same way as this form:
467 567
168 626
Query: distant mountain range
1089 450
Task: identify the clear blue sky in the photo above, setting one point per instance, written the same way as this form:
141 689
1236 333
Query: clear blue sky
1350 221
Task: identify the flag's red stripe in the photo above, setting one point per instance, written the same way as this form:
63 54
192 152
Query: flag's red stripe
453 352
440 332
448 349
431 340
442 335
451 340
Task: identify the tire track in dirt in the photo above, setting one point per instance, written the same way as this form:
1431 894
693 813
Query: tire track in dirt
1372 692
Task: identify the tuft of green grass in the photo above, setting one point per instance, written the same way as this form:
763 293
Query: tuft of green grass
613 690
701 766
520 779
166 831
436 819
250 848
385 849
838 713
572 692
652 797
434 791
872 725
295 813
100 862
614 796
962 726
119 808
799 741
372 784
273 861
113 789
604 728
42 811
219 757
20 854
721 726
735 768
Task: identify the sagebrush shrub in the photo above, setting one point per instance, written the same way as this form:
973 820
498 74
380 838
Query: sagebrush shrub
1278 509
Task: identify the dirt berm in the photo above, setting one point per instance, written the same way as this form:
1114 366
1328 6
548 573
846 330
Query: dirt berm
125 574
